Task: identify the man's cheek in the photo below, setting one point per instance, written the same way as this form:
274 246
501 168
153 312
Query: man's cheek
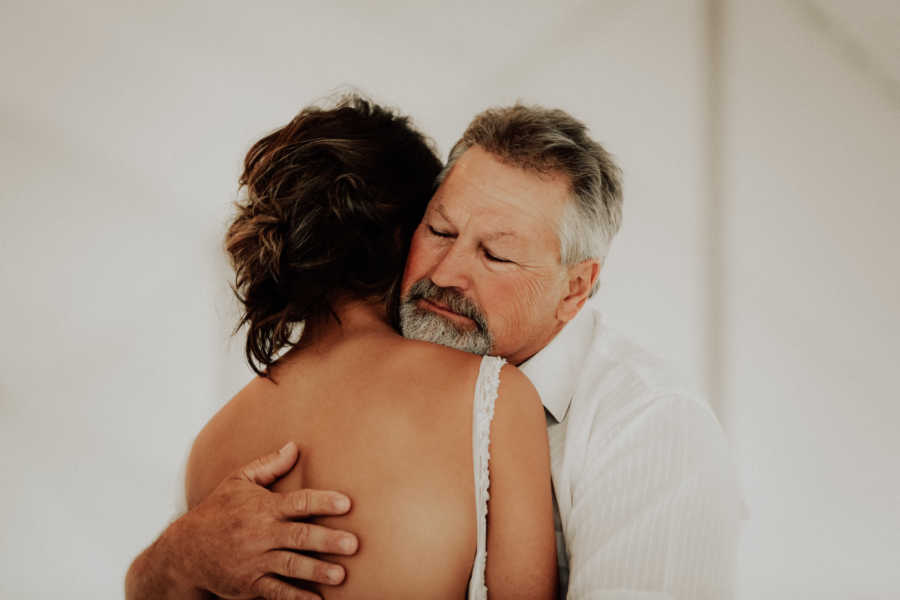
414 264
523 298
423 260
417 249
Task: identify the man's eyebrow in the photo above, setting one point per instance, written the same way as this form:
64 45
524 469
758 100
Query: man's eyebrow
439 208
499 234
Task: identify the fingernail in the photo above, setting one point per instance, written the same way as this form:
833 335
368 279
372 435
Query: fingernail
335 574
284 448
341 503
348 543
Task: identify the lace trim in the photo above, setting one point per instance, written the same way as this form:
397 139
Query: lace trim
486 390
489 384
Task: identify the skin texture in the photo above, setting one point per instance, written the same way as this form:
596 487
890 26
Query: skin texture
388 421
490 233
240 534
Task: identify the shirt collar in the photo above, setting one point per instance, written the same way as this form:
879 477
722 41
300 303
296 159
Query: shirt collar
554 369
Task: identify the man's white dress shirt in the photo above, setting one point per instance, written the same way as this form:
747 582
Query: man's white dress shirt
648 502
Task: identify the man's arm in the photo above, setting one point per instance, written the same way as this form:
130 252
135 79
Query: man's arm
239 539
153 575
657 508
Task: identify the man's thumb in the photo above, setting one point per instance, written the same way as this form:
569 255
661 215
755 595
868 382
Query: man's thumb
266 469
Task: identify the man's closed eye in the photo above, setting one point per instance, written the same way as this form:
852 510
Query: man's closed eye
494 258
443 234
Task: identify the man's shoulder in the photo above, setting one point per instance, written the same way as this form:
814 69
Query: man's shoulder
618 371
630 408
625 390
591 368
636 434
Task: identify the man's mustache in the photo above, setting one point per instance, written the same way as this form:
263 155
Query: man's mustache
456 302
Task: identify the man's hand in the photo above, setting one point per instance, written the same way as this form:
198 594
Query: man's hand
239 540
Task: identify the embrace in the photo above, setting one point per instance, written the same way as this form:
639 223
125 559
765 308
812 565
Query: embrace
506 445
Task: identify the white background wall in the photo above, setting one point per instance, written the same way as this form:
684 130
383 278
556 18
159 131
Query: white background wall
812 293
123 127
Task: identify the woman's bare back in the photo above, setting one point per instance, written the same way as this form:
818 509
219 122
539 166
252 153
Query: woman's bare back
388 422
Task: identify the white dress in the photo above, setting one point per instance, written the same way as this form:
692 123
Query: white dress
486 388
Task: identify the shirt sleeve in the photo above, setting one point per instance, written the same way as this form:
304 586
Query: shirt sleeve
656 511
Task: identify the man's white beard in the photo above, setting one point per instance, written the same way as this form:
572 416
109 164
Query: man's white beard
421 324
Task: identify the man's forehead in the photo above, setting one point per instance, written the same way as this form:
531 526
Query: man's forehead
485 181
439 207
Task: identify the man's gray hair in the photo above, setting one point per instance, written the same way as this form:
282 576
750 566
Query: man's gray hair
552 141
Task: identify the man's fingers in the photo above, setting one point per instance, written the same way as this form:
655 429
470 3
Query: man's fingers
300 566
315 538
272 588
266 469
308 503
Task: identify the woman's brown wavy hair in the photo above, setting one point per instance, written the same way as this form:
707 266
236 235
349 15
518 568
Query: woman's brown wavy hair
332 199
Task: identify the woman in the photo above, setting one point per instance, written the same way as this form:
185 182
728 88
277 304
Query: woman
398 425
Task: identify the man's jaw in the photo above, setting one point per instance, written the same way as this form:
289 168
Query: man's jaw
430 320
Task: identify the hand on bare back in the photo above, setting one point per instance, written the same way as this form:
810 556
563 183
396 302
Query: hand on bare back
242 538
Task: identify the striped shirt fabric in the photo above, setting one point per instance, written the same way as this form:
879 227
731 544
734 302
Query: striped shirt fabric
647 499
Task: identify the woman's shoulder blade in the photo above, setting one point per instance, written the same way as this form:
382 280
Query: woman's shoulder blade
433 365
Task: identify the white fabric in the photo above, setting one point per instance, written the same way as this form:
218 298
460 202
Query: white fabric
486 387
647 498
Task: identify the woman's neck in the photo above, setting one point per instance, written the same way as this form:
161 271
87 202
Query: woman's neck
350 318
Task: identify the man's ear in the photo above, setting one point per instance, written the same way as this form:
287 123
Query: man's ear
581 279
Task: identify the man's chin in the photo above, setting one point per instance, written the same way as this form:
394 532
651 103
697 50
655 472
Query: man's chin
425 325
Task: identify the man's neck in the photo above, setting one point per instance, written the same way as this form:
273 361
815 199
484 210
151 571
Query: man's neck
523 357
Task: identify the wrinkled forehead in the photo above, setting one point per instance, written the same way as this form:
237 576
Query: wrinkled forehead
488 191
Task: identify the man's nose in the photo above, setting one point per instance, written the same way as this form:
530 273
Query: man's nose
453 269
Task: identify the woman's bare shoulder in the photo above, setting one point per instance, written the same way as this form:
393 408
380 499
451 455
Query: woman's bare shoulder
516 383
521 539
430 353
455 371
432 364
236 431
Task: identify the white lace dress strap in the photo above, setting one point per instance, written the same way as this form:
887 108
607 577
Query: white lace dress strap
486 388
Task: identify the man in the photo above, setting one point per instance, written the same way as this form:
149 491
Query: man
509 250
